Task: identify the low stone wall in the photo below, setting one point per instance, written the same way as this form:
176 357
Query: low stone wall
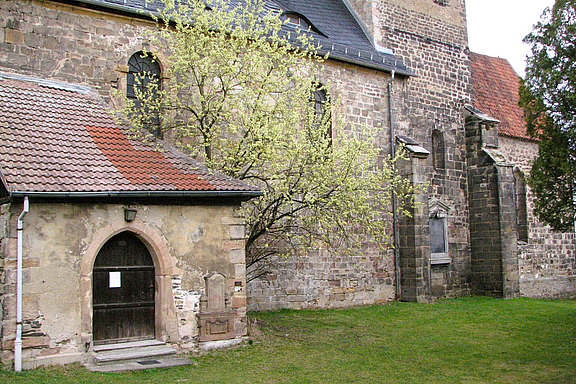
324 281
548 271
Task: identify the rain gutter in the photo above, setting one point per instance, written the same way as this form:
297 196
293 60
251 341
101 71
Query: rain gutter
138 194
397 273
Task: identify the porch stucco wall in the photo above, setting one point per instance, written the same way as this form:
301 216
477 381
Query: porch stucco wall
61 242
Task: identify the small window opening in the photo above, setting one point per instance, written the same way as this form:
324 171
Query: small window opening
437 235
144 74
438 150
295 20
302 22
320 100
521 206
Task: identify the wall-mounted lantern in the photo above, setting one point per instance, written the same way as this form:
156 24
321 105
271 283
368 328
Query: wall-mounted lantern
130 214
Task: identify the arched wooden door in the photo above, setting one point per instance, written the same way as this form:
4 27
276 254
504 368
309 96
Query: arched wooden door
123 291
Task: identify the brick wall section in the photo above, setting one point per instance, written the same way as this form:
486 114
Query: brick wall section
547 263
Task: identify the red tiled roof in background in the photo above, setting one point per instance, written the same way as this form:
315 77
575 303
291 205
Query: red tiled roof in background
58 140
495 92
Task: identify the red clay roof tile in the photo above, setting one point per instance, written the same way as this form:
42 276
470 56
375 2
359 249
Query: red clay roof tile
55 140
496 86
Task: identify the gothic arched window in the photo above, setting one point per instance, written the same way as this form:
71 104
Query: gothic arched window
319 98
144 74
521 206
143 70
438 155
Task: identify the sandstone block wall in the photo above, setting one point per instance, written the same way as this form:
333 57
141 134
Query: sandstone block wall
547 262
61 42
320 280
432 41
323 281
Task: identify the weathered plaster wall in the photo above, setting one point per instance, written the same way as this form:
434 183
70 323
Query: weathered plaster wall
61 242
547 261
4 219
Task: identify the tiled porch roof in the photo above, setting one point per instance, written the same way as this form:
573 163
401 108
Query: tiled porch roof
58 137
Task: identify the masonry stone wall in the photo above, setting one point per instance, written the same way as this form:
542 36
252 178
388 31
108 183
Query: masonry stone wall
66 43
324 281
320 280
61 242
431 40
547 262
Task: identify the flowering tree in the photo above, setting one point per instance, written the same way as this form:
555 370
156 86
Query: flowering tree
240 97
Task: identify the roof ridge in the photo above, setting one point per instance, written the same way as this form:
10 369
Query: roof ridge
47 83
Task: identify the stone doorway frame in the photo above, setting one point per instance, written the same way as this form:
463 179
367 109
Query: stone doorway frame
164 269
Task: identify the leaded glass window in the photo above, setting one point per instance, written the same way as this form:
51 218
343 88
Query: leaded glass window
144 74
143 70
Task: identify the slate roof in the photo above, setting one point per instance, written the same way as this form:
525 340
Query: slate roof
495 92
57 138
342 37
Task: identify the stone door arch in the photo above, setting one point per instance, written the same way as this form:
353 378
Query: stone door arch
165 323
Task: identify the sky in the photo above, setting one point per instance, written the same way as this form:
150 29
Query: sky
497 27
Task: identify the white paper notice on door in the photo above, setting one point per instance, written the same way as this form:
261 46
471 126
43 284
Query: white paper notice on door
115 280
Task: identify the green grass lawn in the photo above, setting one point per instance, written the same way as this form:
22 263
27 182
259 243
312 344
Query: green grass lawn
472 340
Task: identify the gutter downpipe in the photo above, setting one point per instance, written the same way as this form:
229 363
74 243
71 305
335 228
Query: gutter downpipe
394 198
18 341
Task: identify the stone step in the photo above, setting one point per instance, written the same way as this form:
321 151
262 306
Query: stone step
131 344
133 354
140 364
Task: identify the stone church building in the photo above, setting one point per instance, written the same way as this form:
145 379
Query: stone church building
120 243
